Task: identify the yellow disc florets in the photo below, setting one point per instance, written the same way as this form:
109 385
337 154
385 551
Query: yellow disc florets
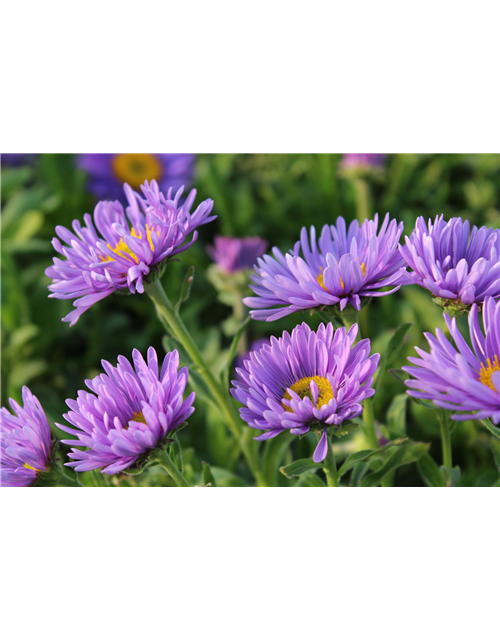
303 390
137 417
486 373
121 248
135 168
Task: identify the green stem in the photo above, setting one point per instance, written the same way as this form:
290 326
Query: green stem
176 327
164 460
369 423
446 440
330 467
362 199
67 481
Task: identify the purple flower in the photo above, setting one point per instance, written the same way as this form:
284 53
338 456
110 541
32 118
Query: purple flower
25 442
124 249
256 345
307 380
342 267
235 254
108 171
362 160
456 377
133 409
453 263
15 159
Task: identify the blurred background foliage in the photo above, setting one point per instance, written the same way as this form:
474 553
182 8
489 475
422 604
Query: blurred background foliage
272 196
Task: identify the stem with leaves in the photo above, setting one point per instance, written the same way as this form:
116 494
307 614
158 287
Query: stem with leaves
174 325
444 421
165 461
330 467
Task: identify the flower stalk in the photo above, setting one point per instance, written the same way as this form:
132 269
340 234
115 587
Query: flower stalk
174 324
165 461
445 439
330 467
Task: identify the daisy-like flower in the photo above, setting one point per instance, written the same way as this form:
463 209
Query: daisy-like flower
306 380
342 267
362 160
130 411
108 171
235 254
457 377
457 266
117 250
25 442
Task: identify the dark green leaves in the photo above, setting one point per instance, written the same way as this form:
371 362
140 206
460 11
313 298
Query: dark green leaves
232 353
430 473
348 426
300 466
185 289
207 476
355 458
404 455
392 350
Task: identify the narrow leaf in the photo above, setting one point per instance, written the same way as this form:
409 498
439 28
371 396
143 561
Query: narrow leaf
300 466
405 455
361 456
348 426
396 414
392 350
452 475
232 353
207 475
430 473
185 289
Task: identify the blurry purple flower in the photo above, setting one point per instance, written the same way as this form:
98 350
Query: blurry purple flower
256 345
453 263
25 442
133 409
15 159
108 171
362 160
342 267
306 380
128 248
456 377
234 254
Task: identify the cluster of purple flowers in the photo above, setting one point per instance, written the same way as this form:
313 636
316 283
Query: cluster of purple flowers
303 381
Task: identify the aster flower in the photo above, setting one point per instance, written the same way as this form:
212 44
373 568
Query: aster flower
342 267
256 345
456 265
306 380
457 377
108 171
25 442
362 160
115 251
235 254
129 412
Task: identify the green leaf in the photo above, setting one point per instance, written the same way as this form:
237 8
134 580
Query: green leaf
491 427
312 480
207 476
274 452
392 350
452 475
225 478
176 455
300 466
359 473
348 426
361 456
430 473
232 353
13 178
185 289
495 447
400 375
404 455
396 414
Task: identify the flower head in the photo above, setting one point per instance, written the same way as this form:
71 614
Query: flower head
25 442
452 262
235 254
362 160
457 377
239 361
342 267
130 410
108 171
116 251
306 380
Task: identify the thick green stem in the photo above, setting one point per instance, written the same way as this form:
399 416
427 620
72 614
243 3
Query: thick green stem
446 440
330 467
369 423
176 327
164 460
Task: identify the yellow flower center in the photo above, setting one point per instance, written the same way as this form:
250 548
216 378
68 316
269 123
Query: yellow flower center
303 389
28 466
134 168
121 248
486 373
137 417
320 277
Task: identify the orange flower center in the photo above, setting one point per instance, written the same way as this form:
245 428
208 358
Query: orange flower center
137 417
486 373
303 389
134 168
